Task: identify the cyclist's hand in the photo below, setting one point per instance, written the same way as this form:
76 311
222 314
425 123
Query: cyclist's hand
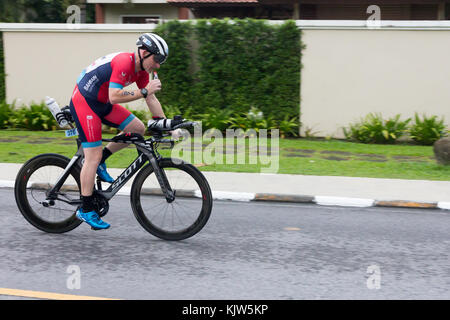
153 86
176 134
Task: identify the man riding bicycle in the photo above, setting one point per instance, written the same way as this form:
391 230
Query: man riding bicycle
96 99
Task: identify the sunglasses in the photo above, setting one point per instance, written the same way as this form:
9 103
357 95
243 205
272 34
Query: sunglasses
159 58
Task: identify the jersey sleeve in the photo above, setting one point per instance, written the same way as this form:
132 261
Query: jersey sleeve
120 72
142 79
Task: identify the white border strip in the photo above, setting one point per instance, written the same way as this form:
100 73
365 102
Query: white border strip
7 184
341 201
443 205
374 25
301 24
226 195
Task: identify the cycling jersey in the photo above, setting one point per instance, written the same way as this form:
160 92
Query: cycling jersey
115 70
90 104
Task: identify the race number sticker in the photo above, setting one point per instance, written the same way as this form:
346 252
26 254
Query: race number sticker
72 132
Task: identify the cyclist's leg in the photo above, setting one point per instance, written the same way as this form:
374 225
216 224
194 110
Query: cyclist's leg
121 118
89 128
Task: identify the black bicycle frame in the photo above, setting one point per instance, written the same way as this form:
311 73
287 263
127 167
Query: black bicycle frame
145 152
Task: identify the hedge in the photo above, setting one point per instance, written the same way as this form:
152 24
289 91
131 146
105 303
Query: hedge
233 64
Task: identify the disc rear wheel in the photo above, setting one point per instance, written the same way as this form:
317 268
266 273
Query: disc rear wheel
49 213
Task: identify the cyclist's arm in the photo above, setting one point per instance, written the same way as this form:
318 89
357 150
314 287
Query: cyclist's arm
152 86
117 95
154 106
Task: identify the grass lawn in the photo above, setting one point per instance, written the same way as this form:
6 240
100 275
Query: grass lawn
291 156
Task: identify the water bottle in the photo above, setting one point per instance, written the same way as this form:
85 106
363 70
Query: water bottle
56 111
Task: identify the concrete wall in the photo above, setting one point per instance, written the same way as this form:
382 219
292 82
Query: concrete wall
348 69
350 73
58 57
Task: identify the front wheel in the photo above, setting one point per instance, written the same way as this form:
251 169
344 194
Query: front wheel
172 220
54 214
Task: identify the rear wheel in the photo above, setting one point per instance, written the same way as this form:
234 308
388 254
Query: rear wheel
35 179
172 220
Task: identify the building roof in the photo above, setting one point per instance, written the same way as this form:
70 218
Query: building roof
191 3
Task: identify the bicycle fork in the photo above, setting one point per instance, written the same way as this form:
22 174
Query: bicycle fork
160 176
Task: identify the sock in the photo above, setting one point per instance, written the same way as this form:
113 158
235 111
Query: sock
88 203
106 154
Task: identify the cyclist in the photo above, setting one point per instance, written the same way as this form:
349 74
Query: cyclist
96 99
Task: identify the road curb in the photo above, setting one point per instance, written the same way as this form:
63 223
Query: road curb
350 202
290 198
283 198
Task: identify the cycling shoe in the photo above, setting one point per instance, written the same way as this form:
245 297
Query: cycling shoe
92 219
103 174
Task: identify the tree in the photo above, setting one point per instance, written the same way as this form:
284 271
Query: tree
39 11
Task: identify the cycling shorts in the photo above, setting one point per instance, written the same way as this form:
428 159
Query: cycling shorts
89 114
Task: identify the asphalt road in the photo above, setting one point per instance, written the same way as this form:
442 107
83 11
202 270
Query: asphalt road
246 251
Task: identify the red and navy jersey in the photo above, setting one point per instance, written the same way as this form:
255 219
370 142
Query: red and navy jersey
115 70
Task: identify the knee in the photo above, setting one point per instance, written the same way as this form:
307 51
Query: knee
93 156
138 127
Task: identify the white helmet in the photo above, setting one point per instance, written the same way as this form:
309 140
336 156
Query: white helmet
154 44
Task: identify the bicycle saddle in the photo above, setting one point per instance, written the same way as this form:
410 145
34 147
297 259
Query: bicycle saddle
128 137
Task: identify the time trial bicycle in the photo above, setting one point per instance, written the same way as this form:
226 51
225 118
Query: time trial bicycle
170 198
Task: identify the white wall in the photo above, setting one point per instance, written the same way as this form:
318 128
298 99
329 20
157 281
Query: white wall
52 59
350 73
348 69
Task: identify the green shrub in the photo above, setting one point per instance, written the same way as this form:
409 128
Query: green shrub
216 119
373 129
176 73
289 127
253 119
427 130
232 64
6 112
33 117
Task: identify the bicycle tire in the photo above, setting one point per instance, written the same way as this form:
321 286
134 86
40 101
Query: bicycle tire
204 196
23 190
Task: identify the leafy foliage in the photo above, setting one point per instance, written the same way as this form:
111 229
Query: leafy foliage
373 129
33 117
234 65
427 130
6 112
41 11
175 73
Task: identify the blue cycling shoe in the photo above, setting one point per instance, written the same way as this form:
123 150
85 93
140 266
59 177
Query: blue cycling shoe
92 219
103 174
